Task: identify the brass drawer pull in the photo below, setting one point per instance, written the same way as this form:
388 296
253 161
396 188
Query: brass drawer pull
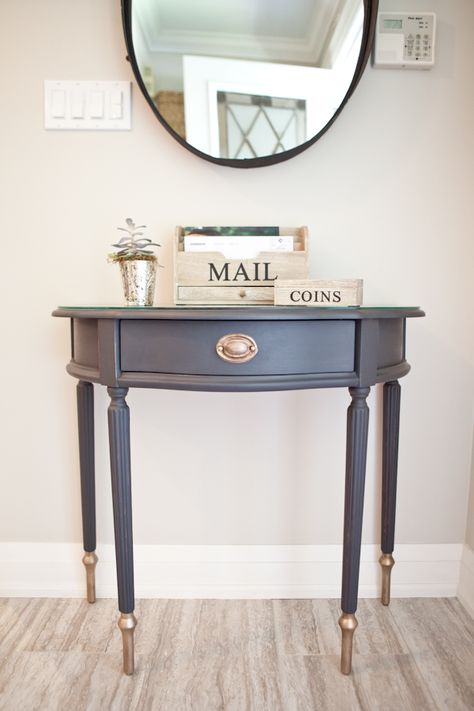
236 348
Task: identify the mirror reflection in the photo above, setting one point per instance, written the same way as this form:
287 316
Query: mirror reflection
243 79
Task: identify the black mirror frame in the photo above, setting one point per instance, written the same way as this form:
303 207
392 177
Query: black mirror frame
370 19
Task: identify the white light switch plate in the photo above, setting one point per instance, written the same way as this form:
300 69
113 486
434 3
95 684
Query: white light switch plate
87 105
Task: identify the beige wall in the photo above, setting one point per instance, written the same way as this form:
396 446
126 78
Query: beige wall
387 195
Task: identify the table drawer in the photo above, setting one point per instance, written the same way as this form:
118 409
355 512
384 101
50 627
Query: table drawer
282 347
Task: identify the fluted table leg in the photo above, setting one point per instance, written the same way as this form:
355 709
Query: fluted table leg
356 456
85 419
391 426
119 440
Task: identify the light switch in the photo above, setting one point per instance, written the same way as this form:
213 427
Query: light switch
96 103
116 104
77 103
58 103
92 105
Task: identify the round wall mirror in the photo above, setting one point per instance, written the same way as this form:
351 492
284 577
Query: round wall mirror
247 83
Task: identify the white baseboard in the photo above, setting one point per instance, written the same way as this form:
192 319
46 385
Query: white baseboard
466 579
260 571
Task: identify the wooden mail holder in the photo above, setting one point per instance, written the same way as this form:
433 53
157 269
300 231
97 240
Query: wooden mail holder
212 278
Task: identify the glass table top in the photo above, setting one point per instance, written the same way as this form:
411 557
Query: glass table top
181 307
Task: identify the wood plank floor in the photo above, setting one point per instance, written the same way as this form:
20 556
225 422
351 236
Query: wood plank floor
235 655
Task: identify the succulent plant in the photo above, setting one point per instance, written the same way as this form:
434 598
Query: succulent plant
133 244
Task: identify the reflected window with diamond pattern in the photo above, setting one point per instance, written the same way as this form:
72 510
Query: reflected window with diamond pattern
251 125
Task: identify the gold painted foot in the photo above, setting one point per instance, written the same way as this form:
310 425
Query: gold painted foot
387 563
90 561
127 623
348 624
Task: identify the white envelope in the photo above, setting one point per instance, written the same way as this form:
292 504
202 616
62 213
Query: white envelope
238 246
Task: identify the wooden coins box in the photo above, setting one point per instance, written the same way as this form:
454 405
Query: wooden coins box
212 278
318 292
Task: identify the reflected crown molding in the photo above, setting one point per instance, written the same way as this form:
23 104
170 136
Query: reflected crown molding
287 45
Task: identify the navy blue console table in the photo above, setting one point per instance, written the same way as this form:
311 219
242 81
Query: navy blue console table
238 349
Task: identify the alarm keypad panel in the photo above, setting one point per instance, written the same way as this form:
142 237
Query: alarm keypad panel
405 40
